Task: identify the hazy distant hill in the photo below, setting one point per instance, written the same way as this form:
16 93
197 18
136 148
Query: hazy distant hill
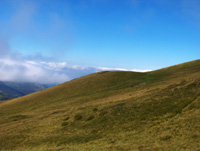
109 111
4 96
10 90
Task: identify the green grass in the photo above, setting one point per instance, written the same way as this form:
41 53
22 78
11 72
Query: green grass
117 111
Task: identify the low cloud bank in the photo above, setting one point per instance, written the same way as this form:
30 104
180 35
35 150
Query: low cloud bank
121 69
45 72
28 71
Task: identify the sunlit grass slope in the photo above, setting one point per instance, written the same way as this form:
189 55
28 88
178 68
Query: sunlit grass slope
158 110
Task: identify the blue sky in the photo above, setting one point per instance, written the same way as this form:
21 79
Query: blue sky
130 34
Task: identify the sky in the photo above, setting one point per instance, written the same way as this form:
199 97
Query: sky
52 41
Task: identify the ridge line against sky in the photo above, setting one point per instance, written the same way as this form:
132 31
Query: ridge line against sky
19 70
111 34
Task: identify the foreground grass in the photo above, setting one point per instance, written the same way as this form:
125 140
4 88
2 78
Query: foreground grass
121 111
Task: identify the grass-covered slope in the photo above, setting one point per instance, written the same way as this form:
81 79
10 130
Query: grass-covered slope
158 110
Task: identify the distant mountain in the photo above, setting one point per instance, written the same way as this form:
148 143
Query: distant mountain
4 96
9 90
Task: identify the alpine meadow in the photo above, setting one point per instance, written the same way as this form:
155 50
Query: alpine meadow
108 111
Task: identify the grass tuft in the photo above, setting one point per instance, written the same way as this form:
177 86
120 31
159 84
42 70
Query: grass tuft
78 117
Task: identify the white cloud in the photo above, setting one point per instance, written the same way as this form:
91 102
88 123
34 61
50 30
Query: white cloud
140 70
46 72
111 69
121 69
29 71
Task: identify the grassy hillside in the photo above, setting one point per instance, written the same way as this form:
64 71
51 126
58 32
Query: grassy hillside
116 110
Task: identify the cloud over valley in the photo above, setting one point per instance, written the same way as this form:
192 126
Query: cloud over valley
45 72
